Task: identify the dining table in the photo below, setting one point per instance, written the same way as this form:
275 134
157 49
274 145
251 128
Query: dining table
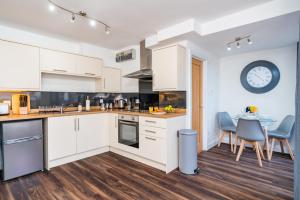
266 122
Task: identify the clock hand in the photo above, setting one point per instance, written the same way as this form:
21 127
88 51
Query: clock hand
259 77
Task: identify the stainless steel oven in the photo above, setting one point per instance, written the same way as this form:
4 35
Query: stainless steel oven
129 130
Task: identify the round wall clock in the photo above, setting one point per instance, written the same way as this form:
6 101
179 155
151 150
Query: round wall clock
260 76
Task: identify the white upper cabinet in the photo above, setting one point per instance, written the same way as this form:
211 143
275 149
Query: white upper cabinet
169 68
57 62
19 65
111 80
87 66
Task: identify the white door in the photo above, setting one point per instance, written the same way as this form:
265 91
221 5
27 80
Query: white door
87 66
92 132
111 79
19 66
61 137
113 130
164 65
57 62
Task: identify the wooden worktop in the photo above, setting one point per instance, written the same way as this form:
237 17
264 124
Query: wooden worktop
37 115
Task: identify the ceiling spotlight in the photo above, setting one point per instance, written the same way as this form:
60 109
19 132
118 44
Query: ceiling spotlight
107 30
93 23
228 48
249 41
51 8
73 18
238 45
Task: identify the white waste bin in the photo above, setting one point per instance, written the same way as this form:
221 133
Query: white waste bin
188 151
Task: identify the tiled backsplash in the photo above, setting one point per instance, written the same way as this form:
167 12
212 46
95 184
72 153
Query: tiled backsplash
177 99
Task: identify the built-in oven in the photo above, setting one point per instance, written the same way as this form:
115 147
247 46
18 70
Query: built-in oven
129 130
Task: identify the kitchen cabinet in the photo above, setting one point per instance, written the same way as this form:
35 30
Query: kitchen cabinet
153 148
19 67
92 132
169 66
87 66
57 62
70 138
61 137
111 80
113 130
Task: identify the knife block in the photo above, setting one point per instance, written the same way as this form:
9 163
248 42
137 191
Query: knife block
15 104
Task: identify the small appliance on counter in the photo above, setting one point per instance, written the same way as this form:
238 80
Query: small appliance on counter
20 104
4 109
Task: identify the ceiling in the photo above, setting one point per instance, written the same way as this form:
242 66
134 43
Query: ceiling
273 33
131 20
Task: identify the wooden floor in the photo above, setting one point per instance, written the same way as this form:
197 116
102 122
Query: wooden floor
110 176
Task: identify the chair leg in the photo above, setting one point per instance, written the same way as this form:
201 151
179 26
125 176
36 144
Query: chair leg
236 141
272 148
240 150
221 138
281 146
258 154
290 149
231 143
261 152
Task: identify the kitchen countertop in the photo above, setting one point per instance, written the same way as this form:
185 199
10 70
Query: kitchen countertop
13 117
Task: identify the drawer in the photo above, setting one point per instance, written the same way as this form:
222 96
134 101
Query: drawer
153 148
154 122
153 131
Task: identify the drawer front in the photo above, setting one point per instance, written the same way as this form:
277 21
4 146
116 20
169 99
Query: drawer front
153 131
153 148
154 122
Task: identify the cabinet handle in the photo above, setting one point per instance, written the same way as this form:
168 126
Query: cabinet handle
153 139
90 74
116 122
153 122
78 124
59 70
75 125
150 131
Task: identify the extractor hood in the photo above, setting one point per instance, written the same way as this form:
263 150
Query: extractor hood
145 71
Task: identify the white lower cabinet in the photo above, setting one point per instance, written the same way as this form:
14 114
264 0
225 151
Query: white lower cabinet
61 137
113 130
92 132
70 138
153 148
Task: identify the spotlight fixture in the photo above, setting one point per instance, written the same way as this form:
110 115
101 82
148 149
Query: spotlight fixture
237 42
107 30
92 21
73 18
51 7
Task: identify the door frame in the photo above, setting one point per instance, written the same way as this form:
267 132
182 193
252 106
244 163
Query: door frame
204 100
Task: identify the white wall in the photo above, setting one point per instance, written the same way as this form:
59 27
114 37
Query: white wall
211 90
277 103
82 84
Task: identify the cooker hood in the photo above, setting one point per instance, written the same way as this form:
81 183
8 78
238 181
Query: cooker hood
145 71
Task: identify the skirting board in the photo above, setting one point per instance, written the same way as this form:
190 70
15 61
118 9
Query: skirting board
139 159
61 161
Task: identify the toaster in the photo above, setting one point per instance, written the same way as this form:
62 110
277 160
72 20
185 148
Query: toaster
4 109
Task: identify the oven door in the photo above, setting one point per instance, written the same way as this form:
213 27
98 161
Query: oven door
129 133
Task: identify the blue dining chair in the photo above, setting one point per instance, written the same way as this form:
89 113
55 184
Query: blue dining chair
282 135
227 127
250 132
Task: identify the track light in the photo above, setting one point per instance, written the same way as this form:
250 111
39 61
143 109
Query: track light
73 18
51 8
107 30
92 23
228 48
238 45
249 41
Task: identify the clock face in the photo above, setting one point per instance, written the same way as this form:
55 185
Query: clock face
259 77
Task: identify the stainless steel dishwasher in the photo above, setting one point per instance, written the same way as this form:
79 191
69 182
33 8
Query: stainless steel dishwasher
21 148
